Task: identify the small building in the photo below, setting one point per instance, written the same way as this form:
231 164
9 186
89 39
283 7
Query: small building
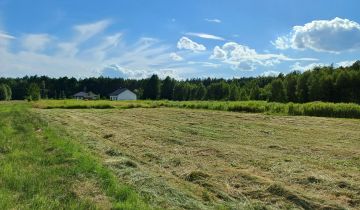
86 96
122 94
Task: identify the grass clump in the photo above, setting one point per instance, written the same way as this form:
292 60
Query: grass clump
195 176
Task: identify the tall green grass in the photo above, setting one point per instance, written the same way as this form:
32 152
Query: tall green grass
40 165
320 109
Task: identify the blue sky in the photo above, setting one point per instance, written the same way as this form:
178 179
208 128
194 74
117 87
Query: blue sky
182 39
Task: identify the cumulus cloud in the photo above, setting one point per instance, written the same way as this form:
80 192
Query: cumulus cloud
218 53
35 42
282 43
188 44
270 73
346 63
176 57
205 36
212 20
244 58
298 67
334 35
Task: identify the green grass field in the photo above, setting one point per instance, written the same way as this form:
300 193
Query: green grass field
178 155
41 168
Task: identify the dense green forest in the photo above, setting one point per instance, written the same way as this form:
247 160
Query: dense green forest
327 84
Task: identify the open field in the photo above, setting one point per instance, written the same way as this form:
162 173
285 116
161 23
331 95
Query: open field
320 109
202 159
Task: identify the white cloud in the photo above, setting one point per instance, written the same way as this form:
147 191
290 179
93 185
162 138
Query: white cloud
6 36
188 44
205 36
204 64
5 40
334 35
346 63
123 72
244 58
282 43
81 57
67 49
270 73
218 53
176 57
298 67
213 20
86 31
35 42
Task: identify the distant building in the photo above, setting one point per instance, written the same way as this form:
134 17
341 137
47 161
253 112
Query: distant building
122 94
86 96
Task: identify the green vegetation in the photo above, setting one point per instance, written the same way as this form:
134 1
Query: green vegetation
327 84
5 92
319 109
176 158
43 168
152 88
33 92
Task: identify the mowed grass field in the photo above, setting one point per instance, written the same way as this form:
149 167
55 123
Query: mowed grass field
43 168
145 155
177 158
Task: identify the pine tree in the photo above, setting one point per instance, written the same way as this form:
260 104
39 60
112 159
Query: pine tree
167 88
152 90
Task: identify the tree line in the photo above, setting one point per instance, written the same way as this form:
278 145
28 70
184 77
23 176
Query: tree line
327 84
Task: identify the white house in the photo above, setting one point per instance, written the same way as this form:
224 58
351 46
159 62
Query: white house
122 94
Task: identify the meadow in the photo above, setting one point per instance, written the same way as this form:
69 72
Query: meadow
72 154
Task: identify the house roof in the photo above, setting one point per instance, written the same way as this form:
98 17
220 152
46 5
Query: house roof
80 94
85 94
118 91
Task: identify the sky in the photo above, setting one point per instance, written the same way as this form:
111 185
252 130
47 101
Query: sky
182 39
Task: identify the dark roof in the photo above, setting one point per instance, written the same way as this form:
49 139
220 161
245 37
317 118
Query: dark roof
118 91
85 94
80 94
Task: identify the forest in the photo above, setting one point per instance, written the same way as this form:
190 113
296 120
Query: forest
328 84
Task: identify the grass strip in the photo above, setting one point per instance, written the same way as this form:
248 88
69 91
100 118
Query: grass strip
41 168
